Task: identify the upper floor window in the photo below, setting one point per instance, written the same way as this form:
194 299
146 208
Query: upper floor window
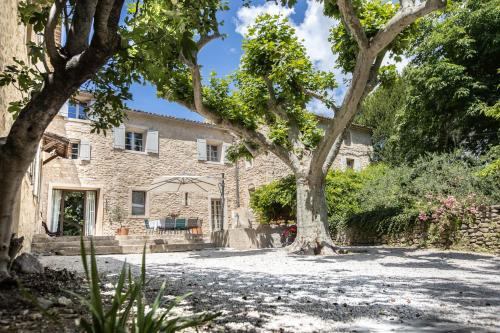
134 141
213 154
75 150
77 109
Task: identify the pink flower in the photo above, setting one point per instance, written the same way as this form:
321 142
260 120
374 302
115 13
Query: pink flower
450 202
423 217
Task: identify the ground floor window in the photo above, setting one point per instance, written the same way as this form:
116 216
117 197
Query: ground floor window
138 203
216 214
73 212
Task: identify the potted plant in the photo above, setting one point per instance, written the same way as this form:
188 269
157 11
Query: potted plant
118 215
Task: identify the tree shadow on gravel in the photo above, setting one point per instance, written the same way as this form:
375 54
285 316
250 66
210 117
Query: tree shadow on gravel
261 302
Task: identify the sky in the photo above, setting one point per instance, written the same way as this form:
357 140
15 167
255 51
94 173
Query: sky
222 56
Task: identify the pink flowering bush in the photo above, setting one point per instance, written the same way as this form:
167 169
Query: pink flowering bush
446 214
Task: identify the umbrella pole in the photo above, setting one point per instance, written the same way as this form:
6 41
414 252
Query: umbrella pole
222 201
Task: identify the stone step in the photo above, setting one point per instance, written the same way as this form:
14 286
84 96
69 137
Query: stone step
75 251
180 247
45 238
51 246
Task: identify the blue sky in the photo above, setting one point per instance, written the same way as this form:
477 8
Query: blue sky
222 56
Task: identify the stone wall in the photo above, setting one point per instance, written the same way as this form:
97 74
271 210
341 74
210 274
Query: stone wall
13 38
480 233
114 173
263 236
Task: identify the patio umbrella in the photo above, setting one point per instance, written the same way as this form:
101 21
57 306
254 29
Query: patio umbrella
185 184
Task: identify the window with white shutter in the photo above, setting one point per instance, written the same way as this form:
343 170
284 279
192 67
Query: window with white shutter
119 137
152 142
225 147
201 145
63 111
85 150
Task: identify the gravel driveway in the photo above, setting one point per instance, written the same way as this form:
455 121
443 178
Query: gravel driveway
376 289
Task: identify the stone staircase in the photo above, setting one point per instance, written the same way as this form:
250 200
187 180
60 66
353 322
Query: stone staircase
70 245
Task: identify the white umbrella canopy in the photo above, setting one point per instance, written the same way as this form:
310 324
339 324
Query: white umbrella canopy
201 184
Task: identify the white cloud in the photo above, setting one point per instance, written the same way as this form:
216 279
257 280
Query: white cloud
400 65
313 31
246 15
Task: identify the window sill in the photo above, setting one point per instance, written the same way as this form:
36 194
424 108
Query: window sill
76 120
212 162
135 152
142 217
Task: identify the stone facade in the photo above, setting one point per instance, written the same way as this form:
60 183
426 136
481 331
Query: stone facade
13 38
480 233
114 173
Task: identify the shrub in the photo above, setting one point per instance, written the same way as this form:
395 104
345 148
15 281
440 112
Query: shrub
128 311
389 200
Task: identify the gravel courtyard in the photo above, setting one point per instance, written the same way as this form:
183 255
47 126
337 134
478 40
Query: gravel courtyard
375 289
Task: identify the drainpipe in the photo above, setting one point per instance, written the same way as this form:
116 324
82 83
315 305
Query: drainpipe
237 178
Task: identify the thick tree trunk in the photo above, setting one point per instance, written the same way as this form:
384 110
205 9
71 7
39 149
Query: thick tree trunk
313 236
18 151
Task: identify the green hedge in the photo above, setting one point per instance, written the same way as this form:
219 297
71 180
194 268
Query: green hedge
389 200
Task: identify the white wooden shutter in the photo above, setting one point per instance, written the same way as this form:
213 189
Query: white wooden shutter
225 147
63 111
201 145
119 137
152 142
343 163
90 109
85 150
36 173
357 164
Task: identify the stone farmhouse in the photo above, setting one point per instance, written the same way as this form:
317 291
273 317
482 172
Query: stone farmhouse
105 178
113 172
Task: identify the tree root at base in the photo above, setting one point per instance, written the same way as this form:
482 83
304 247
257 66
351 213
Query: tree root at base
312 247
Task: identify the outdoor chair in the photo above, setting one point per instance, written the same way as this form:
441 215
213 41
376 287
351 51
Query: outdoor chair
180 223
147 226
193 226
169 223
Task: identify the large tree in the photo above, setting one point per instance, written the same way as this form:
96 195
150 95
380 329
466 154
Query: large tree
449 95
267 106
91 30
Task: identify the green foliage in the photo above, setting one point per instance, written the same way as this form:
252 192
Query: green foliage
388 200
275 201
373 15
448 97
128 311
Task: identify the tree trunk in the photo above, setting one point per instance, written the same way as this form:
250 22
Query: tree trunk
313 236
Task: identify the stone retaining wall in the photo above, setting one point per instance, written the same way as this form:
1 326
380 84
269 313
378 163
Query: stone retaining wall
482 233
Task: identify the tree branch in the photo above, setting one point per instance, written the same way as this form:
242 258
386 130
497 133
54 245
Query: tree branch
328 102
403 18
101 18
352 23
56 59
78 34
207 39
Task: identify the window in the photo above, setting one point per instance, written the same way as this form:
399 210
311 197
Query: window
249 163
138 203
77 110
186 199
133 141
212 153
75 150
216 214
349 163
347 138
